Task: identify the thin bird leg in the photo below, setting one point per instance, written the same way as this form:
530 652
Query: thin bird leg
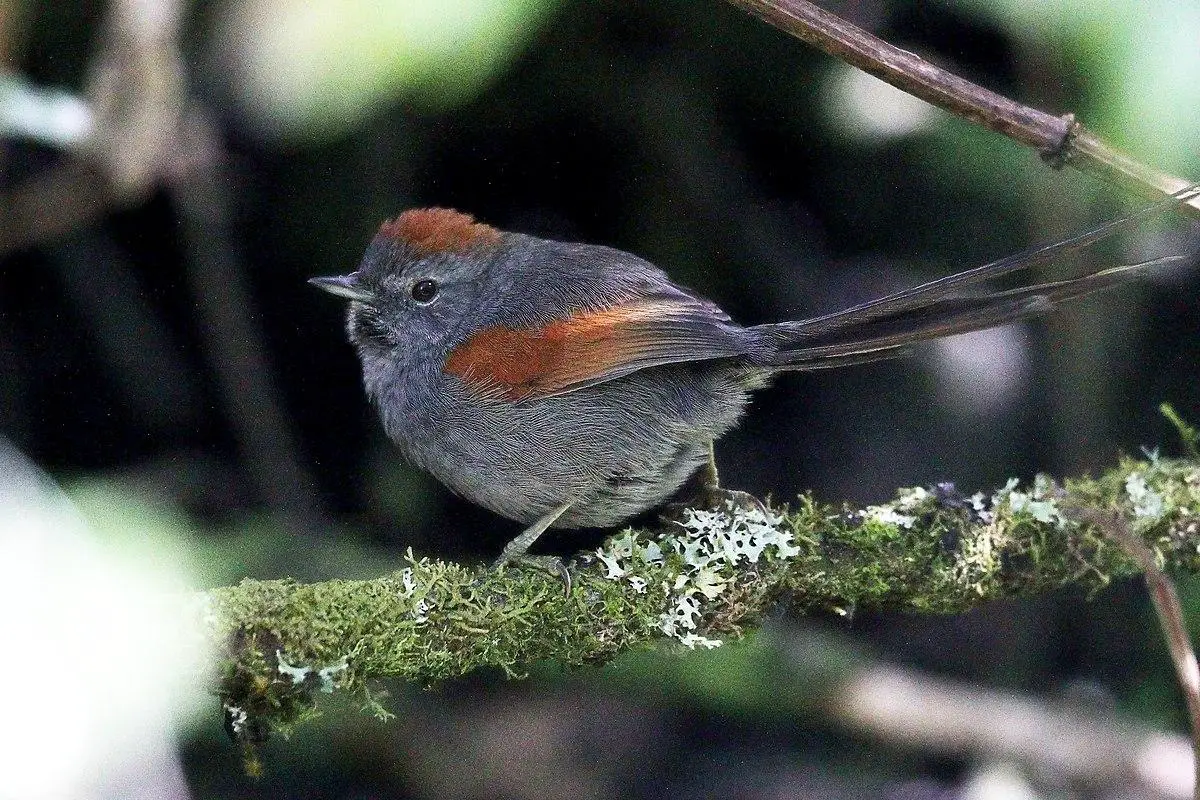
715 497
519 546
711 478
517 551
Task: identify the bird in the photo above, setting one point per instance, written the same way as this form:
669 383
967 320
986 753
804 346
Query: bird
575 385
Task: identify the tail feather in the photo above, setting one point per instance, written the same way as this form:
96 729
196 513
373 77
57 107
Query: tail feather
923 295
864 335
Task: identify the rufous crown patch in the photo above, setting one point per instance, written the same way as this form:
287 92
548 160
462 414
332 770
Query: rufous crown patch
434 230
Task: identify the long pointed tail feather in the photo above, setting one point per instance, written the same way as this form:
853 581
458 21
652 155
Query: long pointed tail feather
872 337
921 296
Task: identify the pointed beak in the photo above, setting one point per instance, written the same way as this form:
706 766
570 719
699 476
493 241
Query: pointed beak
346 286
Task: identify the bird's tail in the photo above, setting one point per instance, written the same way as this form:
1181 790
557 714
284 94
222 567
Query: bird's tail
883 328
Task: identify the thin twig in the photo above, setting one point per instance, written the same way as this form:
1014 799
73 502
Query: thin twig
933 715
1166 606
794 669
1059 140
233 340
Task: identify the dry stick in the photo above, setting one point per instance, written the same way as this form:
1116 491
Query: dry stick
1166 606
1060 140
935 716
823 671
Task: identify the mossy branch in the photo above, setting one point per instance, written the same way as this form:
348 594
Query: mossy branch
694 582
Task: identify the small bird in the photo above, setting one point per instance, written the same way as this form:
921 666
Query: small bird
574 385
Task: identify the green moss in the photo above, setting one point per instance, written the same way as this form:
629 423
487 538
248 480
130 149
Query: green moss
921 553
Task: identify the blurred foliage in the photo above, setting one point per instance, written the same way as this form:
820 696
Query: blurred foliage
312 69
1140 60
749 166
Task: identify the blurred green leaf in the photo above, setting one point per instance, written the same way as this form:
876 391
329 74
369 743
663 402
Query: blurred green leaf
1139 59
313 69
141 529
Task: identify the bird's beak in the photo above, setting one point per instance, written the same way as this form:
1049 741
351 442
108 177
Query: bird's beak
347 286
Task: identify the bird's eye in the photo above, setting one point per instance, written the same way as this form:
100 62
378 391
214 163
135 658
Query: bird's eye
424 291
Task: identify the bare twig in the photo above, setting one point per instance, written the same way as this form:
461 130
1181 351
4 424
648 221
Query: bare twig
138 92
128 132
801 671
1059 140
233 341
1166 606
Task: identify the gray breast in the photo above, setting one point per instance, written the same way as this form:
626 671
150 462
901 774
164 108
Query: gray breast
613 450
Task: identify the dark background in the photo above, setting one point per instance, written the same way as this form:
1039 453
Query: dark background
720 149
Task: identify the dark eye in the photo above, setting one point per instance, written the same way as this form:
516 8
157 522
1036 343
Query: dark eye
424 291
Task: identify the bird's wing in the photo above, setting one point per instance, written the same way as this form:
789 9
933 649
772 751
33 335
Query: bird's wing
589 347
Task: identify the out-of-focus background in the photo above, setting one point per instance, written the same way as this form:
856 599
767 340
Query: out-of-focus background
171 175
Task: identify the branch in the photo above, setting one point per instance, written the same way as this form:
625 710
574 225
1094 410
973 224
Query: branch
1060 140
706 576
795 670
138 129
935 716
1169 611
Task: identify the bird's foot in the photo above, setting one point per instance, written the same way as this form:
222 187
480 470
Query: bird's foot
552 564
721 499
516 552
714 498
710 494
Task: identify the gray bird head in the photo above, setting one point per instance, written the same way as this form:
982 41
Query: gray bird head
418 282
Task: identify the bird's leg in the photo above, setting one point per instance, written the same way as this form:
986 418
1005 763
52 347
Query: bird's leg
517 551
713 496
710 479
519 546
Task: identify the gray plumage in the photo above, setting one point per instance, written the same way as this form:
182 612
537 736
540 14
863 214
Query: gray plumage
623 439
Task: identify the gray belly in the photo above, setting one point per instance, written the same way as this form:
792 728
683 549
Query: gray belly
612 450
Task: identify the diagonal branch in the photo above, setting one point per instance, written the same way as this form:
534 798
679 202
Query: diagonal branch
706 577
1059 140
1169 610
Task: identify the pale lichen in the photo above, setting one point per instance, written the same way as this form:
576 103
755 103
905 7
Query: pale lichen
1147 503
325 676
1040 503
898 511
708 546
979 505
407 584
297 674
911 497
236 719
328 675
696 581
888 515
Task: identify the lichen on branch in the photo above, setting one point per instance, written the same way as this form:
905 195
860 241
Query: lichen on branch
697 580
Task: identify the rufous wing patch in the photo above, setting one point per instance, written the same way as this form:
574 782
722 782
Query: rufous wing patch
434 230
586 348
